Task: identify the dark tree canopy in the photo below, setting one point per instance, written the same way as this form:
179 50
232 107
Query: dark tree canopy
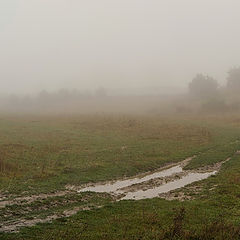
233 83
203 86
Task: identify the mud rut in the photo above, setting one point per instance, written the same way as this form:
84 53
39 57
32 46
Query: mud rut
165 183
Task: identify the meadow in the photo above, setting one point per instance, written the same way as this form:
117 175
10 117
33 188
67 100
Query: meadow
44 154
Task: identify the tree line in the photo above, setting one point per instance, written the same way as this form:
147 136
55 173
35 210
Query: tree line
205 86
208 91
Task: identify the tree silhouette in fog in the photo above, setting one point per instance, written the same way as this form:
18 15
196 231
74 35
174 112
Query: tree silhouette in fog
203 86
233 82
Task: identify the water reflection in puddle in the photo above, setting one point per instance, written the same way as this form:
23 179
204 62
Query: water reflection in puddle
151 193
115 186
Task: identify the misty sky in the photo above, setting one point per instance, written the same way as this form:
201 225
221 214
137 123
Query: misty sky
118 44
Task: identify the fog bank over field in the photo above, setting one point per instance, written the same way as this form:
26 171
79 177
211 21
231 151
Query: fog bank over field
74 102
128 47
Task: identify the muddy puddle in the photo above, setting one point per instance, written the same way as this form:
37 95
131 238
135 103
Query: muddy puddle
163 183
152 185
176 184
118 185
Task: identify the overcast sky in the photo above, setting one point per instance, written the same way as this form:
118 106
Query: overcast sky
142 44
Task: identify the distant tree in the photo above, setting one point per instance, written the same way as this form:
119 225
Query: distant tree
43 95
43 98
233 80
101 92
203 86
63 94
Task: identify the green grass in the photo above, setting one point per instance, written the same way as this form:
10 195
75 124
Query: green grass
215 216
42 154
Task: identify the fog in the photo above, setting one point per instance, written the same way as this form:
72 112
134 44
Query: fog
131 46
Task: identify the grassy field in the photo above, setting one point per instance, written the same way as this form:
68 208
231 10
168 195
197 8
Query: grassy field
211 216
44 154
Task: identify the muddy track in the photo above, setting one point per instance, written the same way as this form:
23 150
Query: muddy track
48 208
30 199
154 184
16 213
14 226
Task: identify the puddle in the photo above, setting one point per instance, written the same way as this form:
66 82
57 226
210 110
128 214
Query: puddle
182 182
153 184
116 186
161 183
